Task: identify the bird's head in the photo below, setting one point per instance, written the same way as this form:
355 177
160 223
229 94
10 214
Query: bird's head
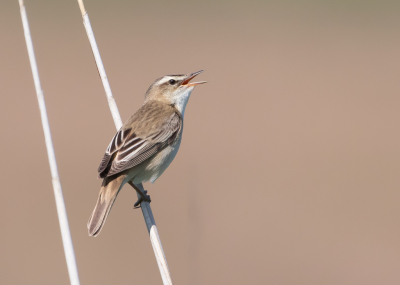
173 89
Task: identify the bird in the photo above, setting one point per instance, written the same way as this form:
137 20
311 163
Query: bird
144 147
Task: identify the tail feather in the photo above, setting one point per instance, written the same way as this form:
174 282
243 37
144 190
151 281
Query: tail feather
108 193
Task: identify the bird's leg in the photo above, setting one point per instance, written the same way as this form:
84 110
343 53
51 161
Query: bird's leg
143 196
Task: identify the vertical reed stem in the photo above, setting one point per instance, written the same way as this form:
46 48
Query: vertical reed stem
61 210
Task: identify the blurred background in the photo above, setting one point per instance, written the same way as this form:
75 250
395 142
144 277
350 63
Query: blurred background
289 168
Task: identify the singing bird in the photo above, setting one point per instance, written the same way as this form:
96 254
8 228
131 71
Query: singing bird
145 145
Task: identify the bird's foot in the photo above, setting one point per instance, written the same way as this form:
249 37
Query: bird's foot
143 197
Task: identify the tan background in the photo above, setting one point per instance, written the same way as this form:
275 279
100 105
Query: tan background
289 168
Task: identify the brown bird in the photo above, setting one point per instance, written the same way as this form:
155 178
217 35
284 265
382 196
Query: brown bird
145 145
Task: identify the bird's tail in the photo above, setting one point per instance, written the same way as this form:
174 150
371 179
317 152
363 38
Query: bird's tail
108 193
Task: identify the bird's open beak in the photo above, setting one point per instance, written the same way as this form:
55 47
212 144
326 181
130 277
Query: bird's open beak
190 77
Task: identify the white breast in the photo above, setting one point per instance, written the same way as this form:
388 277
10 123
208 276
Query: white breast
158 164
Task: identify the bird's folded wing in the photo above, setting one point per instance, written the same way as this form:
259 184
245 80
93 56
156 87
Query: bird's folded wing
127 150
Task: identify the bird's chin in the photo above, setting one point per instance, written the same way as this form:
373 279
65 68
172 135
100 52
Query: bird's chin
187 88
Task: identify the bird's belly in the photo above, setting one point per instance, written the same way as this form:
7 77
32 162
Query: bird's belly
154 167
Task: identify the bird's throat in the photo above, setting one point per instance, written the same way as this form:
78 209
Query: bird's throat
180 101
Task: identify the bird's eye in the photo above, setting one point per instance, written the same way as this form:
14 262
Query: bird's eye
172 82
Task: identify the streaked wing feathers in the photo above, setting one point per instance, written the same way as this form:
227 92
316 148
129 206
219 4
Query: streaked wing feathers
127 150
115 144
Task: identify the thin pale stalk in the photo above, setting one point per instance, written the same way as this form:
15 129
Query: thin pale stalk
61 210
145 206
155 240
102 72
